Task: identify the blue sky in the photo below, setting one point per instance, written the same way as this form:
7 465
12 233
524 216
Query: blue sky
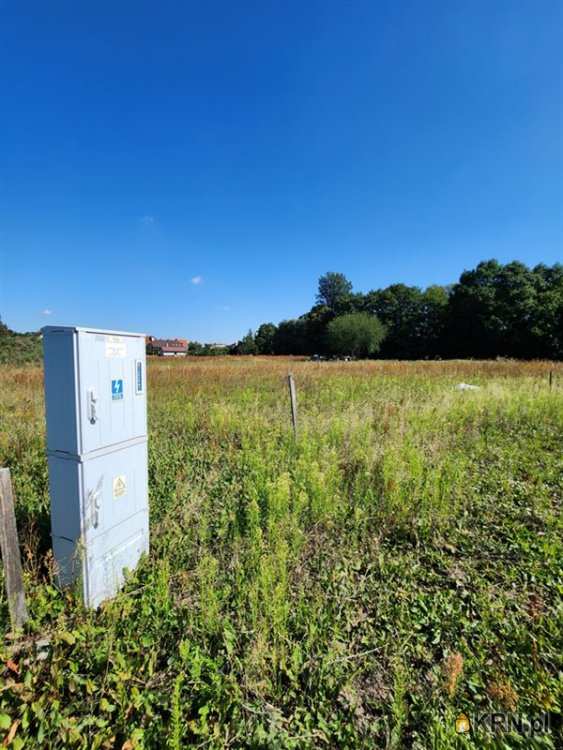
190 169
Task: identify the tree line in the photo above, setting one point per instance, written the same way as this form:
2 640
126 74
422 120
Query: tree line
18 348
507 310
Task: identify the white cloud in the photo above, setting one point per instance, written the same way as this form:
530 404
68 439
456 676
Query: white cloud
148 220
46 311
197 280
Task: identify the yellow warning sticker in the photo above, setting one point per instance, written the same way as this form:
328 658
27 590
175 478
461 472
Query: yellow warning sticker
119 486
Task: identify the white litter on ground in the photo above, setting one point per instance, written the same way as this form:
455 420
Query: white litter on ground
467 387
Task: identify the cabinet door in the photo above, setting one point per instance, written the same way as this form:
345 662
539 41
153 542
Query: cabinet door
106 565
115 518
112 389
115 488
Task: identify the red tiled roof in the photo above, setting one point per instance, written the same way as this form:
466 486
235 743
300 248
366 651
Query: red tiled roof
179 344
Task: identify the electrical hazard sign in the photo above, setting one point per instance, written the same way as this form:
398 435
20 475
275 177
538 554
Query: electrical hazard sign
116 390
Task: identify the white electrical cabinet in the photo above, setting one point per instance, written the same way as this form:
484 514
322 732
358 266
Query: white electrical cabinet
96 405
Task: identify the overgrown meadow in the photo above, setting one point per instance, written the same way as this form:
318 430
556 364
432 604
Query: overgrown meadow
359 587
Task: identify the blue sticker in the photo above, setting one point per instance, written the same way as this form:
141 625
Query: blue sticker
139 385
116 390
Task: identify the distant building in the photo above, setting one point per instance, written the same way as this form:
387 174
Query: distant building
167 347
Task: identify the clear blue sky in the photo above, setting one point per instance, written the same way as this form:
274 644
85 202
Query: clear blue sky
190 169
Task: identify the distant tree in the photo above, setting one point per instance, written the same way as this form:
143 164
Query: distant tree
477 321
313 329
355 334
214 350
195 348
334 288
349 303
246 345
546 323
264 338
291 337
19 348
515 302
432 321
400 308
494 309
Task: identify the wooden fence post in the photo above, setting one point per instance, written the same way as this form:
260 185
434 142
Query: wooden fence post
11 553
293 398
550 379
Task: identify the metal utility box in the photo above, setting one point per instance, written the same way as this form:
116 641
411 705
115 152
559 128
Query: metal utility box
96 404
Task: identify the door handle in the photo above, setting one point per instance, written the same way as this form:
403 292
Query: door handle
94 505
92 410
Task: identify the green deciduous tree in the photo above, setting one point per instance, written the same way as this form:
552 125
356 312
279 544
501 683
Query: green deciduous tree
546 320
195 348
355 334
473 328
414 319
334 288
291 337
19 348
264 338
247 344
493 310
507 310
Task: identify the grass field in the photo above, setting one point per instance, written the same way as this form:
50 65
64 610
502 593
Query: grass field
359 588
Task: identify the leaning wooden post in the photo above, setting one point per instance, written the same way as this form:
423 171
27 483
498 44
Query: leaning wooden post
293 398
11 553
